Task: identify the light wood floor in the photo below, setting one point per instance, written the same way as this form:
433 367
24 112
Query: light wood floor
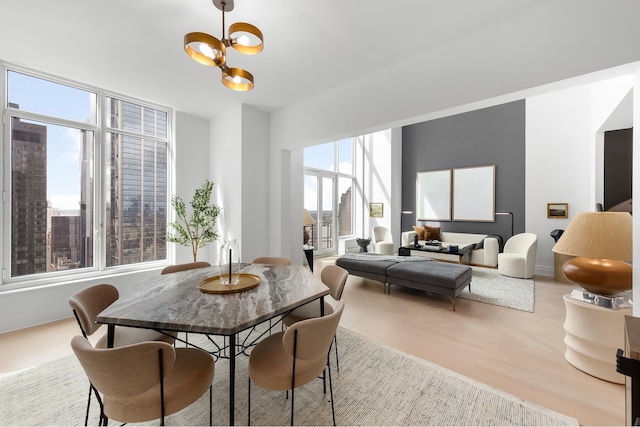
518 352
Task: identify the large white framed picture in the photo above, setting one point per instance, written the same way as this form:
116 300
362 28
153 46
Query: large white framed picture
433 195
474 194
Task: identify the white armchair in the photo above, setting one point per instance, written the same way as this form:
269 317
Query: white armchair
382 240
519 256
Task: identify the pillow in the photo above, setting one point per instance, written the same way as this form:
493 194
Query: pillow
420 231
432 233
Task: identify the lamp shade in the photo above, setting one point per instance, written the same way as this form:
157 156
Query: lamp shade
307 219
607 235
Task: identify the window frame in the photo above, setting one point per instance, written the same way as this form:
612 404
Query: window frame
100 130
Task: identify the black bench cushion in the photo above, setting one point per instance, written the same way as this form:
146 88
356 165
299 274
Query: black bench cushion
370 266
439 277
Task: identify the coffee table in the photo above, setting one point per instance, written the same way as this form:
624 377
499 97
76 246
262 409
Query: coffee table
464 254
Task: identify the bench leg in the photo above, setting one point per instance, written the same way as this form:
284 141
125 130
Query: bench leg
453 302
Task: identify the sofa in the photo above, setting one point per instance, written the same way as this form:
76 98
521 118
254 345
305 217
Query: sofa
485 252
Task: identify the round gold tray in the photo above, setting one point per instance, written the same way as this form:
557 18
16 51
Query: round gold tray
212 285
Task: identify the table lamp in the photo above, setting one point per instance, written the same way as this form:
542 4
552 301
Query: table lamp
601 243
307 219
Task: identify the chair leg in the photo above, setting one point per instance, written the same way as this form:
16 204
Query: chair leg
211 405
333 411
292 394
86 417
335 340
249 403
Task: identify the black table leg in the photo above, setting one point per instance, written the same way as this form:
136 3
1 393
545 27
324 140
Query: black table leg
111 334
232 377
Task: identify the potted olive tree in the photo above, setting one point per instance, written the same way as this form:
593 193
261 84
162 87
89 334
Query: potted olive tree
198 228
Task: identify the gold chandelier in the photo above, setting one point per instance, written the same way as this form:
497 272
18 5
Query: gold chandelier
208 50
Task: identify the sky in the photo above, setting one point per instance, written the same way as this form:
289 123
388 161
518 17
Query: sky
63 143
323 157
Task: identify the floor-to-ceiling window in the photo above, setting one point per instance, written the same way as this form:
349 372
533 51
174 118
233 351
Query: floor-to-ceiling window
329 180
84 177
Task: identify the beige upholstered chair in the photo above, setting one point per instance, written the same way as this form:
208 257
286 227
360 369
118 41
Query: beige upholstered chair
272 260
181 267
382 240
145 381
295 357
519 256
335 278
88 303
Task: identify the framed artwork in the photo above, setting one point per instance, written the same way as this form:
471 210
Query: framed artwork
474 196
376 210
557 210
433 195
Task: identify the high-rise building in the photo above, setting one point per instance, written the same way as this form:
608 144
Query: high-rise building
65 242
28 197
344 214
137 209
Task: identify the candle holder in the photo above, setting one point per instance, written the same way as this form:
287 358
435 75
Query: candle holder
229 263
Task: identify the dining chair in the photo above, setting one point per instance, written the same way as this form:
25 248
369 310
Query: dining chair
290 359
145 381
272 260
335 277
182 267
88 303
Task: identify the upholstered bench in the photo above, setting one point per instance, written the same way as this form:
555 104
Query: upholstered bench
435 277
413 272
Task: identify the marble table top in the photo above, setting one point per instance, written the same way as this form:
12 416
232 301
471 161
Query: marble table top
173 302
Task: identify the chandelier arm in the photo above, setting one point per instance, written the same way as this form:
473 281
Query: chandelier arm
224 36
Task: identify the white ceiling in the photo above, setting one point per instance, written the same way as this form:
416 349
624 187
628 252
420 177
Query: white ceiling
315 46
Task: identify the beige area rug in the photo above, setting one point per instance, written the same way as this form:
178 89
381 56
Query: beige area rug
489 286
376 385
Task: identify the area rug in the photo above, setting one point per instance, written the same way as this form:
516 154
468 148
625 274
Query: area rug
376 385
489 286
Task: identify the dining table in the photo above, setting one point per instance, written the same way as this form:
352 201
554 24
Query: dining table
174 302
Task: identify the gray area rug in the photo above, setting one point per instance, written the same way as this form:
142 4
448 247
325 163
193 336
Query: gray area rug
489 286
376 385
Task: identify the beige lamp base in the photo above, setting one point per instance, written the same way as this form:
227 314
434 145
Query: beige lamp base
599 276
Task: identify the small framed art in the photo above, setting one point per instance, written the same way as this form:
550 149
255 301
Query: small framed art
557 210
376 210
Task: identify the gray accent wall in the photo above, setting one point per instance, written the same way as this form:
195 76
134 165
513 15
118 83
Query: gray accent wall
490 136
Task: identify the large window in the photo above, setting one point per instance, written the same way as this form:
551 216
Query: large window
328 196
84 177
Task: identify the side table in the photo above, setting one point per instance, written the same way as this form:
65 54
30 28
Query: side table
363 243
593 336
308 251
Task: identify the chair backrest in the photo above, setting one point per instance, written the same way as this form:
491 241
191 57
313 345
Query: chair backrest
381 234
520 243
182 267
335 278
314 336
88 303
126 371
272 260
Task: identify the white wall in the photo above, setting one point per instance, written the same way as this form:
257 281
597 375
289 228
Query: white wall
558 163
191 151
564 155
255 184
226 172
